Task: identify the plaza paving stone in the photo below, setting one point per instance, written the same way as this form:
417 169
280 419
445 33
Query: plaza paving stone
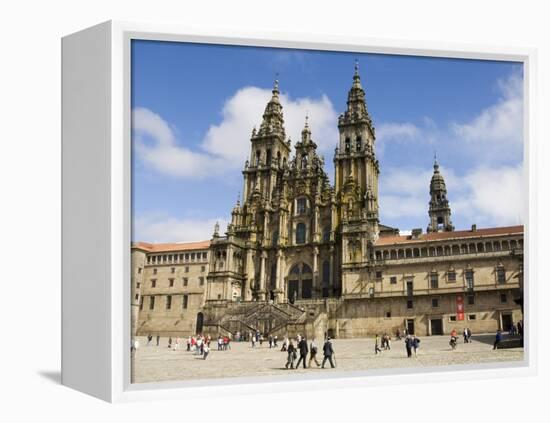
155 364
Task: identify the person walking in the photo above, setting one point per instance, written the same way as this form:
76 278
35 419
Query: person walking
285 344
313 353
415 344
328 352
408 345
170 342
149 339
388 342
469 333
206 350
465 335
376 347
498 338
302 347
291 355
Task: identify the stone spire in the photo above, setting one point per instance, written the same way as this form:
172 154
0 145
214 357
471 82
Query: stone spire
356 105
272 121
440 211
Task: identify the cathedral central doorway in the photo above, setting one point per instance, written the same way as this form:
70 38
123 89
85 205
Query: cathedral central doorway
300 283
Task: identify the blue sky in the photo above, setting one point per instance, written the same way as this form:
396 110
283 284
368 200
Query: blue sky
194 107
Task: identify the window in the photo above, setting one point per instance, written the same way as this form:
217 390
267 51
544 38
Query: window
451 276
192 256
471 316
141 303
435 302
171 282
154 271
358 144
136 297
185 281
501 275
469 279
139 270
151 303
452 318
409 304
187 257
388 314
186 269
434 280
301 204
172 270
201 281
168 302
203 268
393 279
471 299
409 289
503 298
378 274
204 256
300 233
138 285
185 300
153 283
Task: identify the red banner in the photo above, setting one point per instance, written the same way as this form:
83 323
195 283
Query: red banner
459 307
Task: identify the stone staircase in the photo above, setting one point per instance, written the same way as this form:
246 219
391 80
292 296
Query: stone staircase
243 317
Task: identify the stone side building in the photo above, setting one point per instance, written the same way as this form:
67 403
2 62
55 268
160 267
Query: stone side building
168 287
303 256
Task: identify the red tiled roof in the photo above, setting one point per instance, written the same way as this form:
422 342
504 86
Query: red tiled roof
173 246
436 236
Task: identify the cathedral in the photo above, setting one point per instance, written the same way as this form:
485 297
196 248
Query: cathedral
303 256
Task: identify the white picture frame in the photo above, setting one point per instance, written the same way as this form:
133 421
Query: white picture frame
96 209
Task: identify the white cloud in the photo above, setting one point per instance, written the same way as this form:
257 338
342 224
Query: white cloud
494 135
155 144
162 228
497 130
226 145
493 196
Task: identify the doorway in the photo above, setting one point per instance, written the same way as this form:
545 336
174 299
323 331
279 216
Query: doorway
507 322
200 322
436 326
300 282
410 326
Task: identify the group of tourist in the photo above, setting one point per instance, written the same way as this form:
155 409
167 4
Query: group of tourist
303 349
384 342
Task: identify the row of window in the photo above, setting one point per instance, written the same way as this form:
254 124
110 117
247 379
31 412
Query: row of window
173 270
168 302
446 250
470 299
171 282
176 258
451 277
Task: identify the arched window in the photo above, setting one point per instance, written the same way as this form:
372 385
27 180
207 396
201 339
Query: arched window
268 157
301 205
347 145
300 233
358 144
258 155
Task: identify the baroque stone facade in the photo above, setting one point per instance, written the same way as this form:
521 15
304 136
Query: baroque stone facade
303 256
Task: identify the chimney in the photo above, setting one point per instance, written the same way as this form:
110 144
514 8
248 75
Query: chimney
474 227
416 233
